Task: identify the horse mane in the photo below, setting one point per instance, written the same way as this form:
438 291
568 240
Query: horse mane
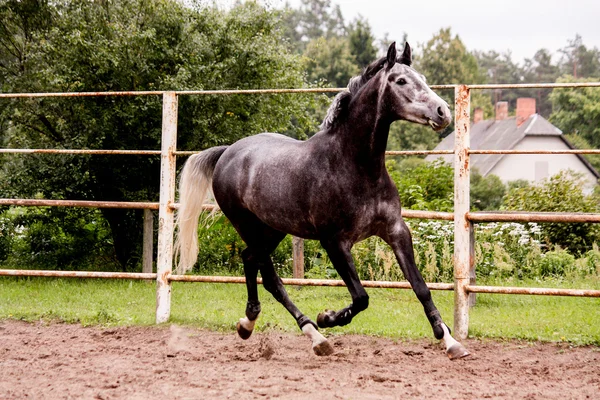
340 103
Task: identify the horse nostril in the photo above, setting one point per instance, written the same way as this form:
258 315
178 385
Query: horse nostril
440 111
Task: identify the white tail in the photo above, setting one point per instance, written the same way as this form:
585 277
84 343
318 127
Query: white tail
195 181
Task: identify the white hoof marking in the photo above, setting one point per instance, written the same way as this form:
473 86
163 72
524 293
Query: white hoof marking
247 324
313 334
449 341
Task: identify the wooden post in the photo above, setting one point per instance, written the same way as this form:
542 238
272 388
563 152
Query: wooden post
298 257
463 228
164 261
148 241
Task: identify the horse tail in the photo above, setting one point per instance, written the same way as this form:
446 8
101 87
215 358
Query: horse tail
195 181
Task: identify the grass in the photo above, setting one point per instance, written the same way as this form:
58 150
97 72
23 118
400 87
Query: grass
392 313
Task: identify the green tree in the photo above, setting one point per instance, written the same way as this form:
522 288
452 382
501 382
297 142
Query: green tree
361 42
579 61
577 111
444 59
138 45
329 62
541 70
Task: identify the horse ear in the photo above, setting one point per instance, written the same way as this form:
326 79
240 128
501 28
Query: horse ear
391 56
406 57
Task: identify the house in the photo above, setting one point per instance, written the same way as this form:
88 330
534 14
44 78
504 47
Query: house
525 131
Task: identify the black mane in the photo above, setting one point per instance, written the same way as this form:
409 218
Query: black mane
340 103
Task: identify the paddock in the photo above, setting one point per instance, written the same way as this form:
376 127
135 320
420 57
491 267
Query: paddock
55 360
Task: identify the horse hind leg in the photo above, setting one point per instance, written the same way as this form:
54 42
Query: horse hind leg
274 285
262 241
245 325
401 242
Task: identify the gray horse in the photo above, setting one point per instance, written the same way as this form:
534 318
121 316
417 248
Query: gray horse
333 188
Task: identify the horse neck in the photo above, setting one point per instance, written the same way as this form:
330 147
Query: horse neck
364 134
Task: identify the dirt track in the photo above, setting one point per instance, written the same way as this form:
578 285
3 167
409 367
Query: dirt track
69 361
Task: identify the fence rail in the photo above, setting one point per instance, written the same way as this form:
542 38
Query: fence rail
464 276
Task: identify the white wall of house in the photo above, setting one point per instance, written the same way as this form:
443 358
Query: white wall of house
537 167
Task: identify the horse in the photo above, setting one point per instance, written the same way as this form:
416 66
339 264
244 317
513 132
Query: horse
333 187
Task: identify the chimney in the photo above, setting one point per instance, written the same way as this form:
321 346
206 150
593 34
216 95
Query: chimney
501 110
477 115
525 109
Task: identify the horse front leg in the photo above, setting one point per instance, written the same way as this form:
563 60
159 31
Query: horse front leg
341 258
400 241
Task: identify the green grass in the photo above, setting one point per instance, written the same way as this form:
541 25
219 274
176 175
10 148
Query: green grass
392 313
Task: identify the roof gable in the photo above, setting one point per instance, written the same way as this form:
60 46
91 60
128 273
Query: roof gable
501 135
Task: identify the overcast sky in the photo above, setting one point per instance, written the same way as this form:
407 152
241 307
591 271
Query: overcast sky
519 26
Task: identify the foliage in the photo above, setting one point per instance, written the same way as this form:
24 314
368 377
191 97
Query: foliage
361 42
486 192
330 60
577 111
133 45
406 135
580 143
56 238
560 193
220 250
579 61
422 185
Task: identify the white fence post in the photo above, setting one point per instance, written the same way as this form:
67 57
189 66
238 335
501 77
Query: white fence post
164 263
463 228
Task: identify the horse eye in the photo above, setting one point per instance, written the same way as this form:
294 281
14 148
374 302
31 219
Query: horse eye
401 81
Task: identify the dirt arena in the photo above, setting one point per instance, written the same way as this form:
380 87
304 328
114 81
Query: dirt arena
60 361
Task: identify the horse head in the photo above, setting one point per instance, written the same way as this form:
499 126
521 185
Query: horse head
406 95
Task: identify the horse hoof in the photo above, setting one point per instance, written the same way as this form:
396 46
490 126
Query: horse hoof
323 349
324 319
457 351
243 332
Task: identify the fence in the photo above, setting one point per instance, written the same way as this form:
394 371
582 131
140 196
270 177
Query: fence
464 283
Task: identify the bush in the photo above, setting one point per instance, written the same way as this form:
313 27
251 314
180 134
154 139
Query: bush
423 185
561 193
56 239
486 192
556 263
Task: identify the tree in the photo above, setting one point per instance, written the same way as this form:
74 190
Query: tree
361 42
577 111
499 68
313 19
541 70
138 45
329 61
579 61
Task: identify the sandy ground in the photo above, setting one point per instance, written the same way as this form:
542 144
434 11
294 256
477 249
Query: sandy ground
61 361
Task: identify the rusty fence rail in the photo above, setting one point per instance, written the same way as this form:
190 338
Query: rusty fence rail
463 218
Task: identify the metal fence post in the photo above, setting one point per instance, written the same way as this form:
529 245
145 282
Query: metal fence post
164 263
463 228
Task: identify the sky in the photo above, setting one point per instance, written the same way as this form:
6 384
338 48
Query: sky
519 26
